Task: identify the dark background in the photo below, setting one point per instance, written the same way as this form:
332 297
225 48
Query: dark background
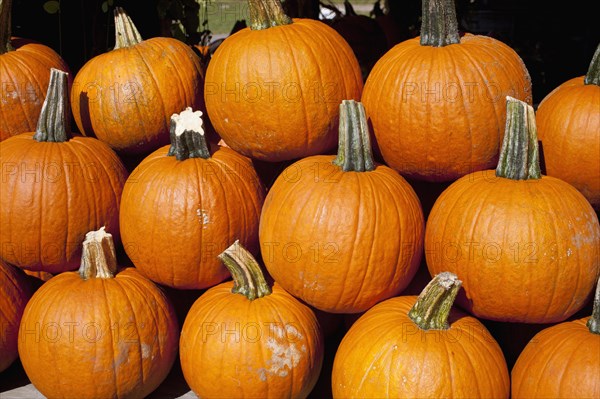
556 41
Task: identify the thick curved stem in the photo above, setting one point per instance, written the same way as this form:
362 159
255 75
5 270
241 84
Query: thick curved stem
433 306
53 123
187 136
248 278
126 34
519 155
592 77
594 322
98 257
5 26
354 148
439 26
265 14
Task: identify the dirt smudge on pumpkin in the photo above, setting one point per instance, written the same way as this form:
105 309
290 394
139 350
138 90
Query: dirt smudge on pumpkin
203 217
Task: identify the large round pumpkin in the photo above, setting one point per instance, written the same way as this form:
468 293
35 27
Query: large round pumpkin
100 332
272 90
569 129
184 205
409 347
562 361
525 245
24 76
247 339
436 102
126 96
55 188
342 233
15 291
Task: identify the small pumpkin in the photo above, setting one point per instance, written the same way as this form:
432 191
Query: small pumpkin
56 186
184 204
125 97
420 347
24 75
272 89
436 101
15 291
105 332
525 245
342 233
562 361
247 339
569 129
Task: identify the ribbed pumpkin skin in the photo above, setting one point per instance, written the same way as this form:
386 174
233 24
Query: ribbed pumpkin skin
98 338
15 291
277 351
126 97
177 216
274 94
52 195
25 74
438 113
385 355
526 250
341 241
568 123
562 361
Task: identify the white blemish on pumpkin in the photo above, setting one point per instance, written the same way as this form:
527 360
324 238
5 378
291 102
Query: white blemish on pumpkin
146 351
285 354
226 120
203 216
188 120
569 252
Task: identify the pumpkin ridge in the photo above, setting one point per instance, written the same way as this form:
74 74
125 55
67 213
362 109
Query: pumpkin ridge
566 364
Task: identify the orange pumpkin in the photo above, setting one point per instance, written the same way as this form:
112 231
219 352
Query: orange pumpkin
106 333
126 96
183 205
525 245
342 233
24 76
272 89
569 129
562 361
15 291
436 101
246 339
409 347
55 188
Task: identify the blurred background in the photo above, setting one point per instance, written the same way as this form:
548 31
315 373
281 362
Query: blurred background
556 41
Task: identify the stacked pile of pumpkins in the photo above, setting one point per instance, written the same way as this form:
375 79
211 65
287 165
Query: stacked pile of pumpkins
146 198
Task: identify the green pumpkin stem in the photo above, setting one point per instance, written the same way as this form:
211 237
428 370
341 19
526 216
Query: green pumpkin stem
592 77
5 26
187 136
248 278
433 305
519 155
54 121
594 322
126 34
265 14
354 148
439 26
98 256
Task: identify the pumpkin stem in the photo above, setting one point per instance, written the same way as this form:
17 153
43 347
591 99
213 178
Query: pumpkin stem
126 34
265 14
594 322
519 156
98 257
354 148
248 278
433 305
187 136
53 123
439 26
5 27
592 77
